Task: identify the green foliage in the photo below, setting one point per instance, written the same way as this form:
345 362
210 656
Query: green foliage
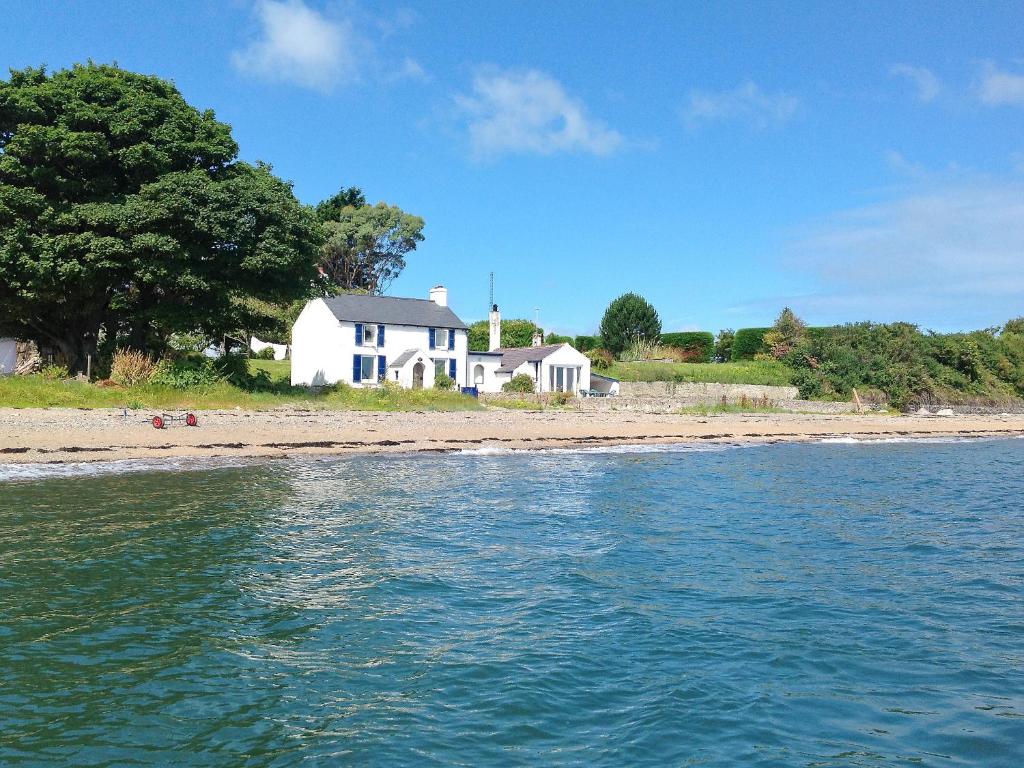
748 342
125 213
54 372
628 318
1015 326
640 349
769 372
600 359
554 338
587 343
788 331
700 344
331 208
267 353
520 383
444 381
514 333
367 244
723 345
908 365
185 372
559 399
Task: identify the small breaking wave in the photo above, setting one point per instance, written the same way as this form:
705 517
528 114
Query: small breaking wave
42 471
497 450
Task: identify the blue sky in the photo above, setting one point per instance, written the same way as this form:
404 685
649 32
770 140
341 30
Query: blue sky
852 160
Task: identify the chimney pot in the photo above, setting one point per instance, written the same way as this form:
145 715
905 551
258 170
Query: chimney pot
439 295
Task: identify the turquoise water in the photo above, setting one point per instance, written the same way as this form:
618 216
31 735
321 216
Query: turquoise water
790 605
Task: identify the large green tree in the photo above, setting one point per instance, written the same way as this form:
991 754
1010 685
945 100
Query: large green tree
366 246
125 215
514 333
627 319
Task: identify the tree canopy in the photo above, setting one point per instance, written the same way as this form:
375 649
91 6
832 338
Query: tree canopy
331 208
366 246
125 215
628 319
514 333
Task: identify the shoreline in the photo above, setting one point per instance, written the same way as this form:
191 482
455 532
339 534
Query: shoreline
55 436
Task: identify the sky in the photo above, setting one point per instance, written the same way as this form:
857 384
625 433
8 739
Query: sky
855 161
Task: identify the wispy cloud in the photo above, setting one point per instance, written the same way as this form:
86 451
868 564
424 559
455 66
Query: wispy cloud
746 102
300 45
1000 88
529 112
928 86
943 254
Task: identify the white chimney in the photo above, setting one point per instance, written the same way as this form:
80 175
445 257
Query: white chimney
538 337
495 329
439 295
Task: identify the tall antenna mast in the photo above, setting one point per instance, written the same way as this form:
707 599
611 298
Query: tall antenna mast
490 303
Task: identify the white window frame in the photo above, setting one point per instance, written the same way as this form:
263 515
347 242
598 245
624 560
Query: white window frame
440 366
369 336
362 367
438 343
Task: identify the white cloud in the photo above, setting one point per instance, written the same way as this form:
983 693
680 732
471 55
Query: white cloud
300 45
924 80
531 113
949 254
745 102
1000 88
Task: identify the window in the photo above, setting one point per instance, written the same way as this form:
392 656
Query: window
440 366
441 338
370 335
366 368
563 378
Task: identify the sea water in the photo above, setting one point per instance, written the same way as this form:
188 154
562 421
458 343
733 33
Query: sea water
786 605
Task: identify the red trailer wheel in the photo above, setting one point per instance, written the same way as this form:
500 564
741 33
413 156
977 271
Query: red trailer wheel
158 422
190 419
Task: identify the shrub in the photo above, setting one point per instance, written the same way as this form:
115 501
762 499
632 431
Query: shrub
520 383
554 338
629 318
130 367
586 343
185 372
444 381
560 398
700 345
54 372
267 353
723 345
640 349
600 359
748 342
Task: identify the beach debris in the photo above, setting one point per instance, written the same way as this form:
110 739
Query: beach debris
944 412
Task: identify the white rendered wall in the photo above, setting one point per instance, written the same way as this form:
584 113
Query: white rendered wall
492 380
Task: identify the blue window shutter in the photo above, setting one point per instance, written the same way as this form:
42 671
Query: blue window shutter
451 339
357 367
382 367
433 337
359 334
380 335
451 368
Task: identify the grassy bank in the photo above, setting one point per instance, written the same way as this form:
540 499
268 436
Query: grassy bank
742 372
39 392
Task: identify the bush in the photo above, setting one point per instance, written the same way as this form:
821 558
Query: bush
700 345
600 359
267 353
444 381
185 372
748 342
520 383
627 319
130 367
54 372
640 349
723 345
586 343
560 398
554 338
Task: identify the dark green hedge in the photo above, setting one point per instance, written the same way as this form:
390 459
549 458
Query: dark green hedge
692 340
748 342
587 343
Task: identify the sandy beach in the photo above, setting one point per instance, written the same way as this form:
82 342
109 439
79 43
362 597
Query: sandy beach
58 435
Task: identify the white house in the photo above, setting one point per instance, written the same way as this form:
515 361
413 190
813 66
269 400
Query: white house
8 355
363 340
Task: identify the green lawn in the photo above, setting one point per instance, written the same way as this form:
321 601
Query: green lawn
743 372
38 392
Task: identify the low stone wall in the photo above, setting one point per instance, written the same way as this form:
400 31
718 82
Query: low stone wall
710 393
676 404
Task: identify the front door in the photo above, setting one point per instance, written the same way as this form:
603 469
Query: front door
417 376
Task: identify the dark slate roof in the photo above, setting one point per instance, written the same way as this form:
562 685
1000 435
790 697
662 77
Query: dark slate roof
481 352
513 357
391 310
403 358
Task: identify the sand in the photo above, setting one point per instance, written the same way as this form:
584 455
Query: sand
58 435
